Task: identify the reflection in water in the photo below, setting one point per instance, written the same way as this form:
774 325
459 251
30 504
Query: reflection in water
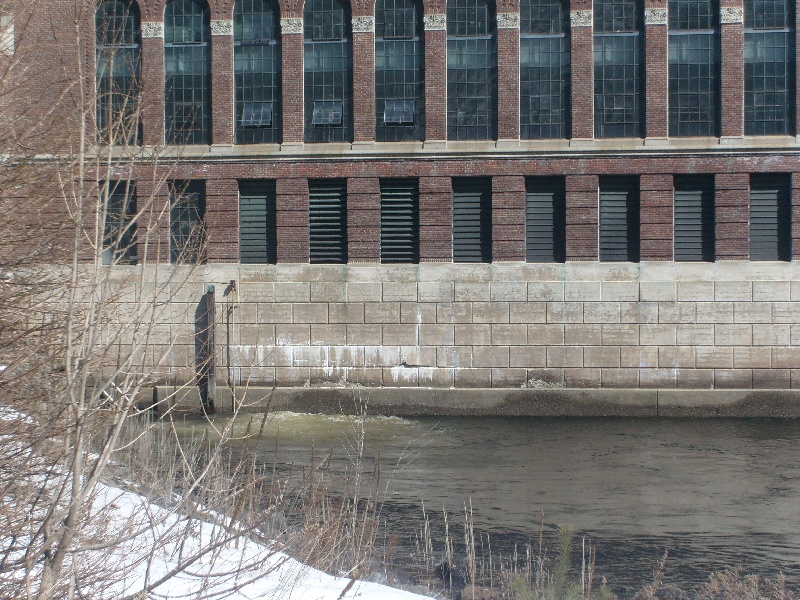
715 492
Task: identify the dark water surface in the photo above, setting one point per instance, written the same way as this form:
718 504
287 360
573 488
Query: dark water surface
713 492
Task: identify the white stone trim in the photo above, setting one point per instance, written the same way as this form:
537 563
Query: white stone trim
580 18
508 20
152 29
364 24
655 16
221 27
731 15
7 43
434 22
291 25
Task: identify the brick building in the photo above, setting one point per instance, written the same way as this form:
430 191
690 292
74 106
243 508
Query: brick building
530 194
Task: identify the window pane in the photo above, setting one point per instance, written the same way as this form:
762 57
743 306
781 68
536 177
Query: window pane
768 82
693 84
544 87
617 85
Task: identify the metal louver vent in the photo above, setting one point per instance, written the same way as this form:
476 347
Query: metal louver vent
619 219
545 219
770 218
327 214
257 237
694 218
472 219
399 221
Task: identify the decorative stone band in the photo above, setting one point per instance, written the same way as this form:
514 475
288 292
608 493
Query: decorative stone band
7 35
580 18
434 22
655 16
221 27
731 16
363 24
291 25
152 29
508 20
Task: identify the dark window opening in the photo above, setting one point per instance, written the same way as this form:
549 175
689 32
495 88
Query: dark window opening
472 219
694 218
257 114
545 219
187 227
619 219
327 113
399 221
257 222
770 217
119 236
327 214
398 111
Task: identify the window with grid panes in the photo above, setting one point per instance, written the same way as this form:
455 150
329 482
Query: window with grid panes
257 72
118 52
186 222
399 98
544 69
768 67
618 69
693 68
328 71
187 66
119 235
471 70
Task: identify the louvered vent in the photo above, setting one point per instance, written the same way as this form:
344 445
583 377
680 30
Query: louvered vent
694 218
327 215
770 217
472 219
399 221
257 238
619 219
545 227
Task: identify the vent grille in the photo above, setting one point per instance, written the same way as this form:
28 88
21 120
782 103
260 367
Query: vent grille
770 218
694 219
545 227
619 219
472 220
257 227
399 221
327 214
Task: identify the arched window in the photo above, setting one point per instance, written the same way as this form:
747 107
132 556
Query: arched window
257 71
399 98
769 56
187 66
544 69
471 70
119 50
618 68
328 71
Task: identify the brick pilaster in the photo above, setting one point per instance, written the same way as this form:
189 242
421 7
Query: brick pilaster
656 220
435 77
363 80
153 91
222 220
508 218
582 217
732 68
582 60
291 216
435 219
222 87
292 79
732 215
364 219
656 70
508 71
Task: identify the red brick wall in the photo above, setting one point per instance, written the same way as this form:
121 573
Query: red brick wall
363 87
436 85
732 75
222 223
292 219
656 233
656 78
508 218
508 84
222 92
292 87
732 214
435 219
582 217
363 219
582 59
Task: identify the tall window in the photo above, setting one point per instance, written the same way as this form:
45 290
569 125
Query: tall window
768 67
618 69
770 217
472 219
693 68
399 99
187 58
694 218
257 72
619 219
471 70
119 236
544 69
328 71
186 222
119 51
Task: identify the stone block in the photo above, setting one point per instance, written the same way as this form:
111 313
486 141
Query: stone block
256 292
745 357
346 312
364 335
310 313
473 335
292 292
695 379
369 377
711 357
727 291
472 292
435 377
308 356
246 313
454 357
620 291
400 377
257 335
545 291
490 312
695 291
382 312
786 312
381 356
364 291
601 312
794 335
638 312
638 357
400 335
583 378
752 312
695 335
343 356
292 376
582 291
457 312
565 312
619 335
472 378
772 379
772 291
436 335
619 378
675 357
399 291
564 356
413 312
545 378
714 312
736 335
527 312
418 356
583 335
657 378
676 312
795 291
292 335
795 379
785 358
275 313
328 291
509 378
509 291
658 335
509 335
546 335
435 291
658 291
527 356
771 335
733 379
601 356
326 376
328 335
489 356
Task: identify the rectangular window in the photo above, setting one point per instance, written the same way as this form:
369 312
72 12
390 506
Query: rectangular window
398 112
619 219
257 224
545 219
328 90
256 114
471 88
399 90
399 221
770 218
472 219
119 237
186 222
188 99
327 112
327 215
694 218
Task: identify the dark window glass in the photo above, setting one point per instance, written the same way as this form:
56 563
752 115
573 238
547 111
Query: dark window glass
119 238
471 70
618 69
694 218
118 55
257 222
399 99
257 72
472 219
399 221
544 70
328 72
545 219
770 218
619 219
187 65
768 67
327 215
186 222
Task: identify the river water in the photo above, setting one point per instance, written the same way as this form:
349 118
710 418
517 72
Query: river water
714 493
